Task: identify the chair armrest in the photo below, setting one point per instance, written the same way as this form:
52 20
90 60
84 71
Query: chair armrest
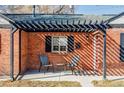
66 62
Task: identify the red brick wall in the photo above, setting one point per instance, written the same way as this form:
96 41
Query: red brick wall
5 52
36 46
24 51
114 64
33 44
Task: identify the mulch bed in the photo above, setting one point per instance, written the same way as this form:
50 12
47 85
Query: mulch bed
28 83
108 83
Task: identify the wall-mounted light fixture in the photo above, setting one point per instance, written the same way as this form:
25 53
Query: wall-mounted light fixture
87 36
78 45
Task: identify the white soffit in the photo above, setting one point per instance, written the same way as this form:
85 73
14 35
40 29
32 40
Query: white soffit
3 21
118 21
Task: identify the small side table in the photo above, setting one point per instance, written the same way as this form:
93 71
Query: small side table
58 65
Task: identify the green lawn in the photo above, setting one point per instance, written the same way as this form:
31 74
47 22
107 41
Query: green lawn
28 83
108 83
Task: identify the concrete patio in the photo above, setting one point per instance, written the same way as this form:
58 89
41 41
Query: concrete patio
50 76
84 80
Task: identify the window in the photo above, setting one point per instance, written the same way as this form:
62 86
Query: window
59 44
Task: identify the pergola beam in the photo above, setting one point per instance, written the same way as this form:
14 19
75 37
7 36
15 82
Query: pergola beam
53 25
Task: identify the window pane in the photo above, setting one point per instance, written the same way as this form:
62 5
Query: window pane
59 43
62 48
55 48
63 41
56 41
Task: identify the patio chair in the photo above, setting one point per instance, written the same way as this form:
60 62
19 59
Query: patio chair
74 63
44 63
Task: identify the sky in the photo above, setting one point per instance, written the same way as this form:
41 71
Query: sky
99 9
94 9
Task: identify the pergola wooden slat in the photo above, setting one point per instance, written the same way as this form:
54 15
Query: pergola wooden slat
64 25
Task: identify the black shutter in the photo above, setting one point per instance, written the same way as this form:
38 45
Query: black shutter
122 46
48 44
70 43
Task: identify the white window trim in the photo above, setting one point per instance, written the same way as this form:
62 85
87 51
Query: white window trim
59 45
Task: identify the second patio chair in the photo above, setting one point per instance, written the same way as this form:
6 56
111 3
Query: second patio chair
74 62
45 63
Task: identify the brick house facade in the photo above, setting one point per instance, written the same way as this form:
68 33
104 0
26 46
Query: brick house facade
88 45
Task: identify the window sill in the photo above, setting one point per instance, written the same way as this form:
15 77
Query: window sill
60 53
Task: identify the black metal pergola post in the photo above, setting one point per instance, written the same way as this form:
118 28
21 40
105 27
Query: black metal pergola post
13 30
104 55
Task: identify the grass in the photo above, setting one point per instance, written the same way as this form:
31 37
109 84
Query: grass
108 83
28 83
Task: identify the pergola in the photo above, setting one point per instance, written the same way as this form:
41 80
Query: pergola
55 23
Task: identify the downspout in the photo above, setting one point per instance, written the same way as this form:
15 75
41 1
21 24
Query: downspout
13 30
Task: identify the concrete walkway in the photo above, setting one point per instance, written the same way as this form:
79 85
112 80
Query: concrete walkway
87 80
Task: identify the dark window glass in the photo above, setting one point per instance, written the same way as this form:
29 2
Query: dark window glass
62 48
55 48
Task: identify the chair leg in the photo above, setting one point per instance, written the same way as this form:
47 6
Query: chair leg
39 68
75 72
72 70
47 68
53 69
81 73
65 68
44 70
